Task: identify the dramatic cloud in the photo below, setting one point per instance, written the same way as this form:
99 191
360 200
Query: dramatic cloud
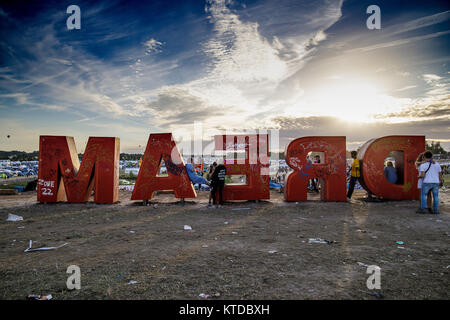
357 133
177 106
436 110
238 51
306 68
431 78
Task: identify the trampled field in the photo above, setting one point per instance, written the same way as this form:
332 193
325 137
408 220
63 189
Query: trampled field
244 250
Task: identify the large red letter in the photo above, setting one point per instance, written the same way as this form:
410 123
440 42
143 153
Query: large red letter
162 147
255 166
332 173
405 150
61 177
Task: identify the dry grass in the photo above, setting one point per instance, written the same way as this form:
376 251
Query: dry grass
227 252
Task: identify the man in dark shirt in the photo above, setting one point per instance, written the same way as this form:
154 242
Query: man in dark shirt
218 182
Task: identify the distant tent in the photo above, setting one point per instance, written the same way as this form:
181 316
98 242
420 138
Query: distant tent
274 185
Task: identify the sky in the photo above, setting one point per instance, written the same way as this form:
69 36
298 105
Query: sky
301 67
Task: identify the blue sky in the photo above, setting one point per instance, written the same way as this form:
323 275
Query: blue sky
302 67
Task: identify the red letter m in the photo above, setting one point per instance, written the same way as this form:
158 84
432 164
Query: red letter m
61 177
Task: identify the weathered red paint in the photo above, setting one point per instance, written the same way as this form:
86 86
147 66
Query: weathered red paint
255 166
161 146
331 173
61 177
372 156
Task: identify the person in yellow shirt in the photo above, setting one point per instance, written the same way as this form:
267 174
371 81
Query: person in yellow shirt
355 174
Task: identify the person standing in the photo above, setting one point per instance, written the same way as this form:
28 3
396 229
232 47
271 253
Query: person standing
431 174
312 185
420 160
355 174
209 177
218 182
316 183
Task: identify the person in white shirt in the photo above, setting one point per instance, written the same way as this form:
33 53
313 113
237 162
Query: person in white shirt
431 175
419 161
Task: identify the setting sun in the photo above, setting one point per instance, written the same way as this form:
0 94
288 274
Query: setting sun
351 101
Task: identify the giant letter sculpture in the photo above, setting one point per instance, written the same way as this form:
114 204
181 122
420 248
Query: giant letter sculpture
255 166
160 147
405 150
332 173
61 177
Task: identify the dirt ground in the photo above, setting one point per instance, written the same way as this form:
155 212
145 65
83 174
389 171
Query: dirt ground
244 250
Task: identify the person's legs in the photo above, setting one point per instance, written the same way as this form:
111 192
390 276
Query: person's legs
211 186
221 193
429 199
351 187
314 184
435 191
420 196
423 201
213 193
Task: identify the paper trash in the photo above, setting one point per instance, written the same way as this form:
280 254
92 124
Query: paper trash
43 248
13 217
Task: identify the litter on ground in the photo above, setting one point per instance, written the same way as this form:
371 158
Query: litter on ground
318 240
39 297
13 217
363 264
29 249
